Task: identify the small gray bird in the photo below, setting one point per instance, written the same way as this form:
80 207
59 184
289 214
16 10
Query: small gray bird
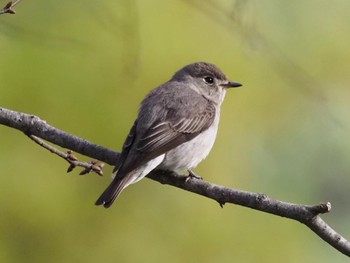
175 129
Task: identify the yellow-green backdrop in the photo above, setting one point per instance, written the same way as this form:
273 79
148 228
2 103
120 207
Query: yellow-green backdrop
84 66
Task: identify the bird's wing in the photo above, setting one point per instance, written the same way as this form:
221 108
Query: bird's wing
165 135
126 146
162 136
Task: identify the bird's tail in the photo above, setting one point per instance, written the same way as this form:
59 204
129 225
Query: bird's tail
112 192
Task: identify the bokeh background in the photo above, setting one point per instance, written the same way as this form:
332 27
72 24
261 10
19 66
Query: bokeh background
84 66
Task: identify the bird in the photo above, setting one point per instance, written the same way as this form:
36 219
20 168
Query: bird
175 128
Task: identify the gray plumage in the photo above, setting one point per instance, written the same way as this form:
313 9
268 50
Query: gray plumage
175 129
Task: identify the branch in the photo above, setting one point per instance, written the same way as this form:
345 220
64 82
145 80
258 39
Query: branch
8 8
32 125
92 166
305 214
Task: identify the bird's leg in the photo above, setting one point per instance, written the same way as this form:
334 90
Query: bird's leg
193 175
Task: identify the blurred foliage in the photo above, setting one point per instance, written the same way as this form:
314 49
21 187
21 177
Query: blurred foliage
84 66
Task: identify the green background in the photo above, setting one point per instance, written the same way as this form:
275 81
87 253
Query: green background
84 67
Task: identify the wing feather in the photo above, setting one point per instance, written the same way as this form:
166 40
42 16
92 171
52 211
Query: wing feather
126 147
159 135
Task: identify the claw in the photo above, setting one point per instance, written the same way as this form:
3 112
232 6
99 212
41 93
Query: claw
221 204
192 175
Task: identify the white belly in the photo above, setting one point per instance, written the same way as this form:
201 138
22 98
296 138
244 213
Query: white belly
189 154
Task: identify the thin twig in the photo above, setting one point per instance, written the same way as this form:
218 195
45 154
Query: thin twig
8 8
92 166
308 215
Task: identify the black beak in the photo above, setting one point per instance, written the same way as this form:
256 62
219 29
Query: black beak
231 84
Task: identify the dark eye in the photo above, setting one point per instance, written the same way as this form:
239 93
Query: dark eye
209 80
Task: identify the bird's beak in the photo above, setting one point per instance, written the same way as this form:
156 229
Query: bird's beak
231 84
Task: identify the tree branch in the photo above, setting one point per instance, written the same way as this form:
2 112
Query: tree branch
305 214
32 125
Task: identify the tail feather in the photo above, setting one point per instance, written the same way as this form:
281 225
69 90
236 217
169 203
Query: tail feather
112 192
122 180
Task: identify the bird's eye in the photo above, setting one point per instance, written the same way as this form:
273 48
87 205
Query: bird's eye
209 80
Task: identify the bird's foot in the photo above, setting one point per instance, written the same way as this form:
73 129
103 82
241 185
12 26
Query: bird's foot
193 175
